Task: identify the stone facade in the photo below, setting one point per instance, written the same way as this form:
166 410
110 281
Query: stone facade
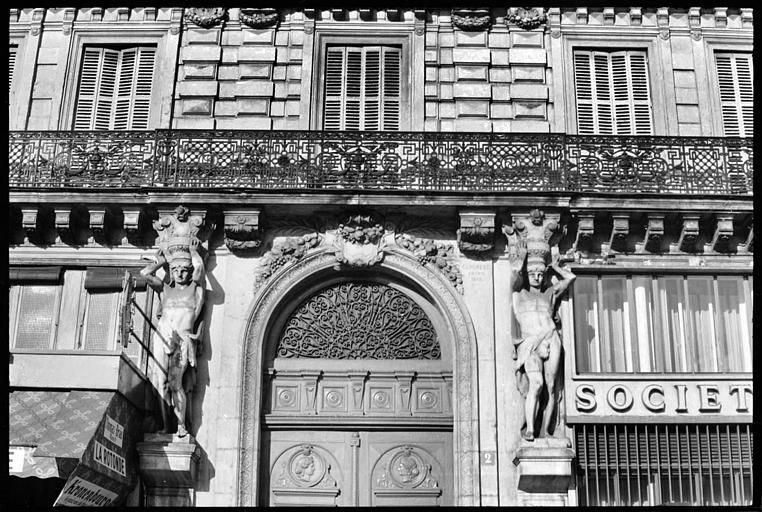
510 72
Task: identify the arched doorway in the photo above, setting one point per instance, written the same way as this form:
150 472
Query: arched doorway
331 415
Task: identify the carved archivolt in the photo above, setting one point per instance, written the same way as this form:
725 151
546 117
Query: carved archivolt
359 321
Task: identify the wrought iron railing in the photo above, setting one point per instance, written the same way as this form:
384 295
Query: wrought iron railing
392 161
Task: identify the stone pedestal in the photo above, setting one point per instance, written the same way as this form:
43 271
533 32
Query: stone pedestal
544 471
168 465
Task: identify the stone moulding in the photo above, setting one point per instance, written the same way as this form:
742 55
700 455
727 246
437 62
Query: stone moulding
465 399
526 18
471 20
206 17
259 18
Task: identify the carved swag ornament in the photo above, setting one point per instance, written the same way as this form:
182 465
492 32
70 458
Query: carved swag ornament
526 19
471 20
538 350
206 17
259 18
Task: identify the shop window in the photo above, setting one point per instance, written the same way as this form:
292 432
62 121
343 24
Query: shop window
36 315
676 464
663 324
734 76
362 88
115 88
612 92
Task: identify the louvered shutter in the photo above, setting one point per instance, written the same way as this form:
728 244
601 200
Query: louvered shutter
115 89
613 96
734 73
12 65
362 88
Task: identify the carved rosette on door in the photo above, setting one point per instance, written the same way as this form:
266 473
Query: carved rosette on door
404 475
303 476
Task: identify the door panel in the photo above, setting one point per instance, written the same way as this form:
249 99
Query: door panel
357 468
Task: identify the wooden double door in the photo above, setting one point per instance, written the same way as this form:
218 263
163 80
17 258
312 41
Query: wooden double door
357 467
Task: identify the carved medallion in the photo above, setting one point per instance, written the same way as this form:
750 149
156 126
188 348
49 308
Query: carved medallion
407 470
359 321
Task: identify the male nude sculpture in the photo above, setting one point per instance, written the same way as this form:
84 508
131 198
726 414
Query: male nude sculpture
538 351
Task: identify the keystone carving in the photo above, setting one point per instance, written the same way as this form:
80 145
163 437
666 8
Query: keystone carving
242 230
688 235
723 231
206 17
259 18
359 242
526 18
476 234
654 234
471 20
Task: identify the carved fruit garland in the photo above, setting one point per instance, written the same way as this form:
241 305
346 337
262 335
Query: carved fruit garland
283 252
438 254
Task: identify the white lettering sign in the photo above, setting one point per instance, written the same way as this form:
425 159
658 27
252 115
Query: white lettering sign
646 399
113 431
81 493
111 460
16 456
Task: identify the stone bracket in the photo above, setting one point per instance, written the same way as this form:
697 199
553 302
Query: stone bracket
357 389
620 229
63 225
688 235
723 231
748 245
310 389
97 225
29 224
242 229
405 380
653 236
585 231
476 234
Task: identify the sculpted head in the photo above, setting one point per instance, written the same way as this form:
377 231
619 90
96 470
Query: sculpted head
181 270
536 274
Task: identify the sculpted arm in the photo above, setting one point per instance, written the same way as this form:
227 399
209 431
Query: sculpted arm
148 272
517 265
567 278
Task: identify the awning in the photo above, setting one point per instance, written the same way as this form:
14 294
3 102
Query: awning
87 437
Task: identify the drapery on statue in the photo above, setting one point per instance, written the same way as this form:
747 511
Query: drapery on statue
538 350
182 299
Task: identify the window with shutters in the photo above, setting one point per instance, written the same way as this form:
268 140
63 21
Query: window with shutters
362 88
612 92
12 65
736 87
115 88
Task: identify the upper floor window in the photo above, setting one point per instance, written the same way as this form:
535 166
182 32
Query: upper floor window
734 75
663 323
362 88
12 65
613 96
115 88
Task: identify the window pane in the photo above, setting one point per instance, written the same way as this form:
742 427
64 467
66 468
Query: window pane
732 328
701 308
673 323
641 286
616 321
37 316
101 319
586 324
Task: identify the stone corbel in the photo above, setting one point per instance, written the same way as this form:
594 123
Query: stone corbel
720 17
97 225
536 221
585 231
636 16
748 245
357 388
688 235
149 13
206 17
694 22
259 18
175 20
133 233
653 236
420 21
310 379
554 22
14 18
393 14
62 223
339 14
68 20
96 14
309 21
620 229
122 13
38 16
476 234
723 231
242 229
581 15
608 15
405 386
29 225
747 18
366 14
662 20
471 19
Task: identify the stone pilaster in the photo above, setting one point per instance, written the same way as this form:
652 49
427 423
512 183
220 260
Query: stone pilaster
168 466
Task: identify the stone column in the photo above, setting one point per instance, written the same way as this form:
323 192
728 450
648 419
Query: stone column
544 470
168 465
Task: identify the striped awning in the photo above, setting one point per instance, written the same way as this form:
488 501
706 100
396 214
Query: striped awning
86 437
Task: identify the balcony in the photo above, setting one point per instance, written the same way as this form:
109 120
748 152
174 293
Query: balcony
379 161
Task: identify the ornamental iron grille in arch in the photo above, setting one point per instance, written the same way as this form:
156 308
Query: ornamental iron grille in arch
359 320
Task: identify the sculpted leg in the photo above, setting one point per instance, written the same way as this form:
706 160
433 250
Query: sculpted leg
531 404
550 370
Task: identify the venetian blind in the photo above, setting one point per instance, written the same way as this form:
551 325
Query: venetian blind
613 97
115 89
362 88
12 64
734 74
